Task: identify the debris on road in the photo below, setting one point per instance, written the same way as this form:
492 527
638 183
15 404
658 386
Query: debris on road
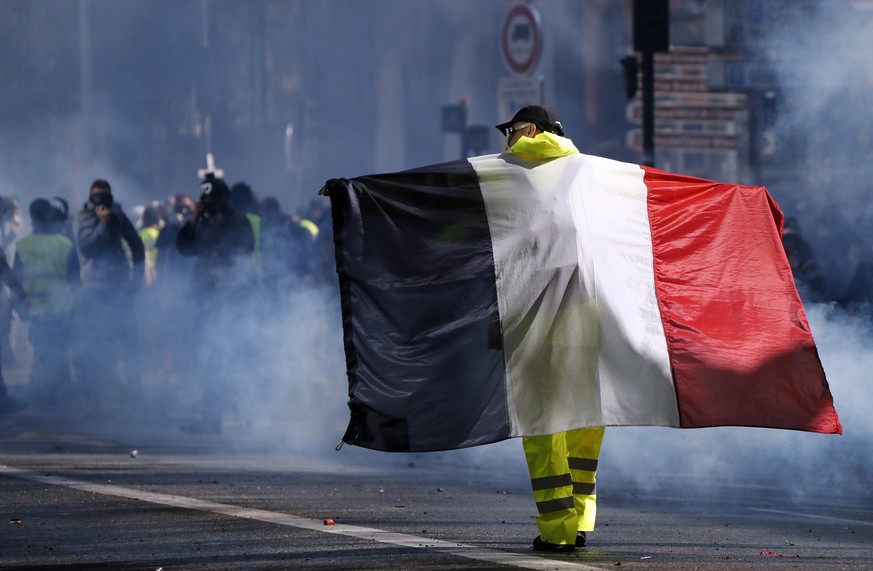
770 554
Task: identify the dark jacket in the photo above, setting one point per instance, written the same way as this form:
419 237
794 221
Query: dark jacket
102 257
223 251
22 302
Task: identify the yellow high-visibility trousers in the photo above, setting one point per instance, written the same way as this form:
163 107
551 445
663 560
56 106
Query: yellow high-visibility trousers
562 470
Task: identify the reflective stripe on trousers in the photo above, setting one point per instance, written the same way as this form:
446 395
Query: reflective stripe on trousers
562 470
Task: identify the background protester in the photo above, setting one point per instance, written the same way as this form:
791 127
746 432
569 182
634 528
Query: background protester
286 249
108 351
222 242
149 229
172 297
47 265
21 304
11 226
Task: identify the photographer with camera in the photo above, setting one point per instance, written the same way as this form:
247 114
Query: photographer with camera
110 280
218 236
100 229
222 242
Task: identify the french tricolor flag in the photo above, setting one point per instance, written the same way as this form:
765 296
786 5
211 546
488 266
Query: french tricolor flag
497 297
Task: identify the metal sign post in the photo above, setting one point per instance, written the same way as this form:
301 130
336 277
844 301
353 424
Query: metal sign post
521 43
521 39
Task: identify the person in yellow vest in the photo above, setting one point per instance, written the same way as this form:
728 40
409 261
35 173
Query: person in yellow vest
309 226
243 200
562 466
149 230
47 266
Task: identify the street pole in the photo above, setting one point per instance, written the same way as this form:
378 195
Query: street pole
651 27
648 96
86 78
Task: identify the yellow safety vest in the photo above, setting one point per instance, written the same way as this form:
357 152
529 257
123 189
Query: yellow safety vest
255 221
149 237
45 258
310 227
544 146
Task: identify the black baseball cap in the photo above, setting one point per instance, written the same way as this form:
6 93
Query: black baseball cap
213 189
546 118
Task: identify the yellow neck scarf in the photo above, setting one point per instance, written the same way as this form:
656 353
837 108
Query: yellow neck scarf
544 146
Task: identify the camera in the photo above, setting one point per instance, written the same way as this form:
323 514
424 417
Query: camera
209 207
101 199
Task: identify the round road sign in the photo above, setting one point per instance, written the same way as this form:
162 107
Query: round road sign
521 39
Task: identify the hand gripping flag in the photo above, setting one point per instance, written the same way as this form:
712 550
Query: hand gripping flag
497 297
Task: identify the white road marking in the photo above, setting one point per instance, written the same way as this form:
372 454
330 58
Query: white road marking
813 516
452 548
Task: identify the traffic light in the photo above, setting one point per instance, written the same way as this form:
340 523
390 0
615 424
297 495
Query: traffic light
631 69
651 25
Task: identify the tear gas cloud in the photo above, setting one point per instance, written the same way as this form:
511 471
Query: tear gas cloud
138 92
819 54
282 357
820 57
824 73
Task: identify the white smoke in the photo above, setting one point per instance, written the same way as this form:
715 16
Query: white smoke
799 464
821 59
290 389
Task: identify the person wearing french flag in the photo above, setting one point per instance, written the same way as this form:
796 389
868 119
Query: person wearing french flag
562 466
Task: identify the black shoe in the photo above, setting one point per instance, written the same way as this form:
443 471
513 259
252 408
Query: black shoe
540 545
580 539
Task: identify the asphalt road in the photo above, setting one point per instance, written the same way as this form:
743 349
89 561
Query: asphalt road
129 492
